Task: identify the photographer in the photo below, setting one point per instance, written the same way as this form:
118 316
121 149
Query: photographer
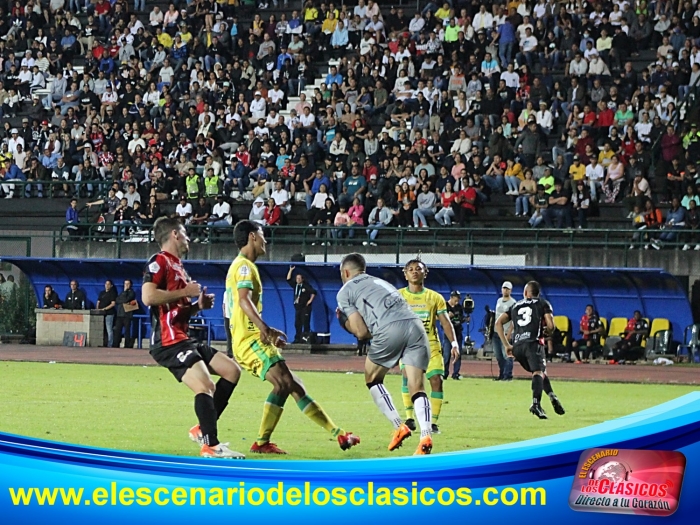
455 312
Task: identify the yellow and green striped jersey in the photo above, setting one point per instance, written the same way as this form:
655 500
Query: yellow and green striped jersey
427 305
242 273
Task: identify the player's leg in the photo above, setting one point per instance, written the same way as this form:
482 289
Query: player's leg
287 383
535 355
422 406
374 379
434 376
198 380
407 403
229 373
556 404
577 354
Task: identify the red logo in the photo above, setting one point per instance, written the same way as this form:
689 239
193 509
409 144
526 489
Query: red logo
641 482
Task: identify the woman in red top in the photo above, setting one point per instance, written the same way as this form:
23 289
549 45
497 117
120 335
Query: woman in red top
273 214
445 215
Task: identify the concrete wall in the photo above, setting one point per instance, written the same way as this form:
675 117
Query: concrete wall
51 324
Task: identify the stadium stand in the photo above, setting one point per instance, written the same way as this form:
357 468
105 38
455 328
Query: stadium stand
523 80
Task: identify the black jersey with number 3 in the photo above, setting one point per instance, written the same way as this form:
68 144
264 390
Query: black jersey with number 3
528 319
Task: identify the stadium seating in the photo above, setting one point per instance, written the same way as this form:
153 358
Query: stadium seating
690 348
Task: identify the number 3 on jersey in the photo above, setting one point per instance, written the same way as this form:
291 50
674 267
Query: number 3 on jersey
525 315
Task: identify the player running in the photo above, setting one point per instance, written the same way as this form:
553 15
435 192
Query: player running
167 290
430 307
369 307
532 320
255 344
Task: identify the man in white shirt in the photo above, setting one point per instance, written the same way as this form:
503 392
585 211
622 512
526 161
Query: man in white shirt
544 118
511 78
221 213
360 10
416 25
366 43
258 107
14 141
483 19
528 45
281 197
183 211
595 173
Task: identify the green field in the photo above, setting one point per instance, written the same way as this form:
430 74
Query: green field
145 409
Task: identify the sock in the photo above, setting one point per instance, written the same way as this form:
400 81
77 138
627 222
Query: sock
536 389
420 401
272 412
547 386
436 405
407 402
224 389
206 414
382 398
315 413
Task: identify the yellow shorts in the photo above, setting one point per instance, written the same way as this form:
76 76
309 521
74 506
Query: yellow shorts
256 357
436 364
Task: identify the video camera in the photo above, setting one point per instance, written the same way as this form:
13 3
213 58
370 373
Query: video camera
468 305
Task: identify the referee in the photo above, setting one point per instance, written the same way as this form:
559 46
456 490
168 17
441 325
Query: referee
304 295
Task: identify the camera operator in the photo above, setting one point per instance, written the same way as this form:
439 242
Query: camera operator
455 312
505 363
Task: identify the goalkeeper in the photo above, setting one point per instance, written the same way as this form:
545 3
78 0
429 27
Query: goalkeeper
371 308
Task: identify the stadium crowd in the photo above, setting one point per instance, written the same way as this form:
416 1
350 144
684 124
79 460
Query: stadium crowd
423 115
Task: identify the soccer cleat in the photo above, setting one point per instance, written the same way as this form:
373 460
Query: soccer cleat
424 447
196 435
538 411
267 448
556 405
434 429
397 438
348 440
220 451
411 424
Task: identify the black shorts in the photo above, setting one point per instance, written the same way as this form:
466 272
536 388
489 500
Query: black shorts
531 356
180 357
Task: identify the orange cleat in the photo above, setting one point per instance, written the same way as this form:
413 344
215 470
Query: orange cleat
424 447
220 451
196 435
267 448
401 433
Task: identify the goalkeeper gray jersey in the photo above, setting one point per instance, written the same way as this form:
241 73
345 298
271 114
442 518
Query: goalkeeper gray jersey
377 301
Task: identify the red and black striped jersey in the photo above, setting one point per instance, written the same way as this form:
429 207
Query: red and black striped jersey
169 322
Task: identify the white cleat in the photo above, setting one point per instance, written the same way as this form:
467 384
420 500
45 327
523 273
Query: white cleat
220 451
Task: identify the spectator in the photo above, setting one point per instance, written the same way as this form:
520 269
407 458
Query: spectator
8 287
126 306
50 298
75 300
675 223
73 219
505 362
379 217
107 302
426 204
692 223
559 208
526 191
580 200
257 212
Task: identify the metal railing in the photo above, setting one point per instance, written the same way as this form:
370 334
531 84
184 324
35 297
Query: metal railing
325 239
54 188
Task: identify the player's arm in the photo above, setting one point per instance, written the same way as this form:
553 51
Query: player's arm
449 330
355 324
268 334
152 296
500 322
549 323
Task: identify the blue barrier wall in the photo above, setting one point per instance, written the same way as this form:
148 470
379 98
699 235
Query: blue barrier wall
613 292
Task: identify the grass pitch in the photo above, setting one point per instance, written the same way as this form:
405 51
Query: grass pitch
144 409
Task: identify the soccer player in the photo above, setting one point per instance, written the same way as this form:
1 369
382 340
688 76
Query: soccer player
430 307
371 308
255 344
532 320
167 290
590 327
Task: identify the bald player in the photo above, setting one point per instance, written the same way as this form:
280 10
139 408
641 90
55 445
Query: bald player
371 308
